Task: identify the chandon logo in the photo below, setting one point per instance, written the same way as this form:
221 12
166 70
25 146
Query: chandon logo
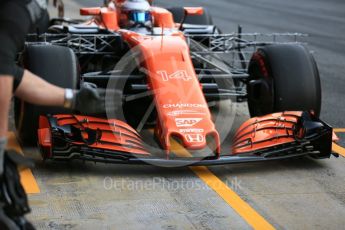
180 74
187 122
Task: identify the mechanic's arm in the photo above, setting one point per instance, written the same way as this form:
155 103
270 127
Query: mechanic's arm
5 101
35 90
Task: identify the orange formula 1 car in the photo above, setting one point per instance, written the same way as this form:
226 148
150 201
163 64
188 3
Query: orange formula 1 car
177 74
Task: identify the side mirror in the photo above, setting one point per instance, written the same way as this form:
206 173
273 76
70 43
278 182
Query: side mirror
90 11
191 11
194 10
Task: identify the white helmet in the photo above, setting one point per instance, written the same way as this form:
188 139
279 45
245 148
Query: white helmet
135 12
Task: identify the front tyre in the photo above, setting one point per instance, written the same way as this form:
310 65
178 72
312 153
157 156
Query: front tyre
57 65
283 78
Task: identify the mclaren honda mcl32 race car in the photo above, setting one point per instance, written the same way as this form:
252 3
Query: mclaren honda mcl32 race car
177 74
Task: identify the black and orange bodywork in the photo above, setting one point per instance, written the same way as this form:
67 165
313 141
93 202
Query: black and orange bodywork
182 111
273 137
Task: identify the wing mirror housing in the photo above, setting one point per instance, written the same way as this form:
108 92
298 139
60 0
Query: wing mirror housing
90 11
194 10
191 11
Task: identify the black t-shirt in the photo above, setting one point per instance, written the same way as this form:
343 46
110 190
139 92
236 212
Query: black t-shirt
23 1
15 22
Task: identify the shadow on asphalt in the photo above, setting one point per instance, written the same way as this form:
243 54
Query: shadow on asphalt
78 167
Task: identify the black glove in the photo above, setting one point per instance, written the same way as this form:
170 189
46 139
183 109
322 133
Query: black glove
90 100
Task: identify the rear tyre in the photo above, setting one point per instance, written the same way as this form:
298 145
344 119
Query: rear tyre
283 78
55 64
178 14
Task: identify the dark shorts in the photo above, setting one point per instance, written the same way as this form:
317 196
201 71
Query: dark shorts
15 22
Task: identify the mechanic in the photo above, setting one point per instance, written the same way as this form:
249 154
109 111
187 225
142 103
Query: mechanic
17 17
135 14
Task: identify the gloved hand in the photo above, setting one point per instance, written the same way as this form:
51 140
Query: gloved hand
90 100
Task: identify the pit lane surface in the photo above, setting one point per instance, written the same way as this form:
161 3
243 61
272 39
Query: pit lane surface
294 194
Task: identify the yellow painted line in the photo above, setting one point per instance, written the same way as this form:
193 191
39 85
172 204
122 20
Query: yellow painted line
341 130
336 148
254 219
26 177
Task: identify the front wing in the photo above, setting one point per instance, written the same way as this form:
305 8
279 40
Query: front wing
273 137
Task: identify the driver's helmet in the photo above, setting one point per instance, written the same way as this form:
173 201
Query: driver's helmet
135 12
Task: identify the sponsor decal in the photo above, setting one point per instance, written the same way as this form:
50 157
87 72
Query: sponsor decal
191 130
187 122
183 112
195 138
179 74
181 106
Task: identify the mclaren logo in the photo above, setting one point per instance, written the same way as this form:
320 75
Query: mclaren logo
187 122
180 74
